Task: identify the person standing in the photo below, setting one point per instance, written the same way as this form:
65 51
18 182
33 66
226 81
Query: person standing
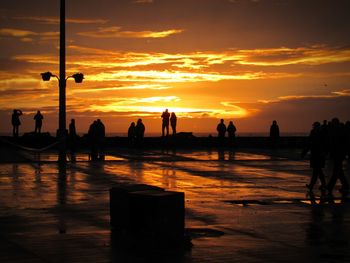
231 130
93 141
140 132
101 134
274 133
221 129
38 121
173 122
16 122
132 134
165 122
72 138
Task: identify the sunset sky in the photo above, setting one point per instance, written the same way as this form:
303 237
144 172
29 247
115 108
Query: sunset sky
250 61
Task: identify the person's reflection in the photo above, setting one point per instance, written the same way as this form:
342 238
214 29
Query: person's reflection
210 154
326 227
231 155
169 178
61 196
315 230
37 181
16 185
136 169
221 155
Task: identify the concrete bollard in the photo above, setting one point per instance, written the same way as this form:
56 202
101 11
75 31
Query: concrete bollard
120 207
147 217
158 218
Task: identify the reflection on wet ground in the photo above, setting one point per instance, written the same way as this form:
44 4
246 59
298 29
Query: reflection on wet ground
240 206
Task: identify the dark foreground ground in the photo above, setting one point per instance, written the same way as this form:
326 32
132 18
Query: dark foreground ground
241 206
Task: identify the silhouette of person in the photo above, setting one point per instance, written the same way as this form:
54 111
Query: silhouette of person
140 132
38 121
72 130
173 122
231 130
347 135
165 122
101 133
337 150
274 133
72 138
317 147
16 122
325 133
221 129
93 140
132 133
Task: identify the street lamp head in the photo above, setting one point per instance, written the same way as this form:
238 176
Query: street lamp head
46 76
78 77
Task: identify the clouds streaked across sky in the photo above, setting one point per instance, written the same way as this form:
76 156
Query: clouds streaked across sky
242 60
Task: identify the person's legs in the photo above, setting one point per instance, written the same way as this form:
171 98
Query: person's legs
167 129
322 179
313 179
163 127
333 179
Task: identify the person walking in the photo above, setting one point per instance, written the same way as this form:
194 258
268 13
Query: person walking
38 121
165 122
317 147
16 122
173 122
337 152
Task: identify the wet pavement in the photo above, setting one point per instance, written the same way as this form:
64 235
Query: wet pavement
243 206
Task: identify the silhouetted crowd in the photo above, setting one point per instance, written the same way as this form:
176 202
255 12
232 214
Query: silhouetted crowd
332 139
329 139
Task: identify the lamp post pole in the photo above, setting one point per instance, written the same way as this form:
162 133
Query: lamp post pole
62 84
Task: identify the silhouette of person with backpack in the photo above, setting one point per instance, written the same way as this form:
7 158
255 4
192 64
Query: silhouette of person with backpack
16 122
165 122
173 122
318 150
38 121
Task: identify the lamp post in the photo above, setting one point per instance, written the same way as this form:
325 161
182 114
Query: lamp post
62 132
62 80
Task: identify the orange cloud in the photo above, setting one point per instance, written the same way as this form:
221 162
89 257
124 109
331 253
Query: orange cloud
26 35
55 20
13 32
316 55
115 31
